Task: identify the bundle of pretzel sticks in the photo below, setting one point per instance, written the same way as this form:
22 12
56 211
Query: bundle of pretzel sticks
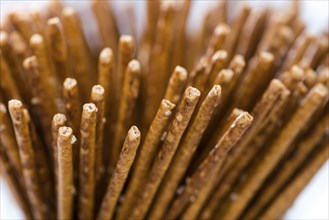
230 122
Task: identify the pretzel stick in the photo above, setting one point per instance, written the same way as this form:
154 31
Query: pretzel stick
211 165
265 165
97 97
184 154
87 161
19 193
59 120
27 156
78 51
54 8
57 46
176 84
8 85
289 167
166 153
285 199
106 22
22 23
218 61
127 104
218 39
65 173
145 156
120 174
323 76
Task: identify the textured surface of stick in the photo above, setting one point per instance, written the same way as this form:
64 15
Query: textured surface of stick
65 173
27 156
120 174
176 84
87 161
277 149
211 165
184 154
145 155
130 91
166 152
289 194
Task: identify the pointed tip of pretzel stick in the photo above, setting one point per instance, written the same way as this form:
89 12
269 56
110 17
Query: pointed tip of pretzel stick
106 56
53 21
321 90
65 133
70 83
15 104
181 72
216 90
297 72
266 57
126 39
168 106
219 55
222 29
89 107
97 93
243 120
68 11
29 62
134 133
36 39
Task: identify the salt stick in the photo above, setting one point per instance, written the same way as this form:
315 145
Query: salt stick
217 63
71 98
78 51
106 22
176 84
39 50
9 145
87 161
38 21
10 177
289 167
218 39
65 173
57 46
8 85
252 33
184 153
59 120
286 198
130 91
179 47
8 59
166 153
297 51
97 97
314 53
265 165
323 76
158 72
16 110
22 24
254 82
145 156
120 174
210 166
237 26
198 76
310 78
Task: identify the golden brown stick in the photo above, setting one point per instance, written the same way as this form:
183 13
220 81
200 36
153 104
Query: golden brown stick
176 84
323 76
72 104
130 91
106 22
211 165
217 63
290 166
236 30
265 165
54 8
19 193
184 154
57 46
59 120
166 152
97 97
198 76
8 142
158 73
286 198
87 161
145 156
254 82
8 85
22 24
27 156
78 51
120 174
218 39
65 173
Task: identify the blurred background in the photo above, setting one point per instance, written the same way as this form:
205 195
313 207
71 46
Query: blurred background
313 202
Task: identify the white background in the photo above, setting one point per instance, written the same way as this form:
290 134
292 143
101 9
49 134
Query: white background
313 203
